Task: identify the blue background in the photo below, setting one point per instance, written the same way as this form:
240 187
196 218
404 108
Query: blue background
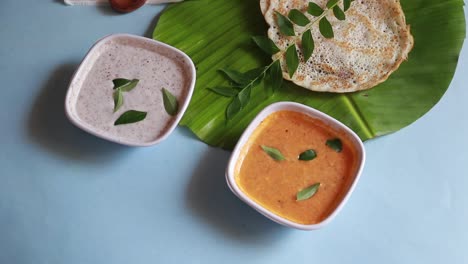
68 197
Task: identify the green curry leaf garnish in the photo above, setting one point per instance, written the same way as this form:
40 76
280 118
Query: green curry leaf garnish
335 144
170 102
273 153
308 155
300 39
308 192
125 85
131 116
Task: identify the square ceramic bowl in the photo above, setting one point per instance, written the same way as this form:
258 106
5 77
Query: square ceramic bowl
330 121
129 56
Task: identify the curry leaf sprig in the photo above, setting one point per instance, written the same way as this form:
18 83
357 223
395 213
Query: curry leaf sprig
243 83
303 39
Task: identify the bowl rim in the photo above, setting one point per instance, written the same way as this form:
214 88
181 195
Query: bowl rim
81 70
297 107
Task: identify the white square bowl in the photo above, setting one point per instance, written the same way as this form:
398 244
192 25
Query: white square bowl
330 121
86 66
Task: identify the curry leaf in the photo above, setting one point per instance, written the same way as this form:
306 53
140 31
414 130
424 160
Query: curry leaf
120 82
335 144
273 153
314 9
266 44
275 75
233 108
308 192
346 5
245 82
332 3
298 18
292 60
224 91
118 99
308 155
170 102
285 26
235 76
244 96
255 76
131 116
339 14
124 84
325 28
308 45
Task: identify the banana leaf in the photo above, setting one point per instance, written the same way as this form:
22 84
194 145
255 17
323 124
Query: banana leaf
217 34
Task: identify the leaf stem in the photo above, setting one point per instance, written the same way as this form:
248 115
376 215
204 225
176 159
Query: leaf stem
309 26
256 78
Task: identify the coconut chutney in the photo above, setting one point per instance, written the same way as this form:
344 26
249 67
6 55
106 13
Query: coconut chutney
154 64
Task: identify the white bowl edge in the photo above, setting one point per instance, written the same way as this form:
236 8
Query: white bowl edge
292 106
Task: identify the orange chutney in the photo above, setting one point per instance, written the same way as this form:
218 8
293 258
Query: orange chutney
274 184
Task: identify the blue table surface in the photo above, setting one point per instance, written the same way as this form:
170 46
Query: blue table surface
68 197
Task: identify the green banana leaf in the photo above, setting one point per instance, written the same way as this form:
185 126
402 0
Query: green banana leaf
217 34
